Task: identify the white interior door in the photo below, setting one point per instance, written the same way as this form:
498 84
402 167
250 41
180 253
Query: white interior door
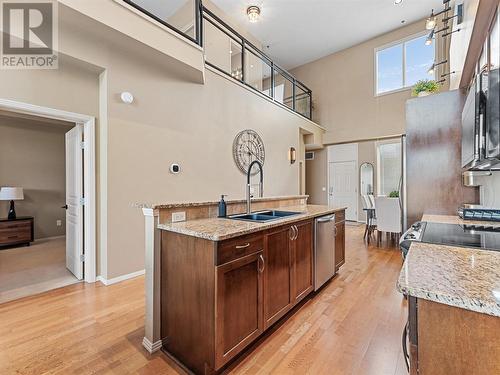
74 210
343 187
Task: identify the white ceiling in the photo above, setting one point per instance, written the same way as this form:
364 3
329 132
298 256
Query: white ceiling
300 31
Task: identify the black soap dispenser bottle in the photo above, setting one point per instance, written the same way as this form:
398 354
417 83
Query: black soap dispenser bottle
222 206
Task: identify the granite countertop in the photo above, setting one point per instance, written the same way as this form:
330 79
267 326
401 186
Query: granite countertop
456 276
218 229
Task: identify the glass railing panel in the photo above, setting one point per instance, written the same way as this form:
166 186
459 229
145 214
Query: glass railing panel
179 15
223 49
257 71
283 88
302 100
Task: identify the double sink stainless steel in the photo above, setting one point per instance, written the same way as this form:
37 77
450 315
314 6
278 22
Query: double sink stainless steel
263 216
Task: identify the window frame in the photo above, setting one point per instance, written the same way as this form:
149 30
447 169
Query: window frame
402 41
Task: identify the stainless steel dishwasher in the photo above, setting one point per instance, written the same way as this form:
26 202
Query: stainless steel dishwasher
324 250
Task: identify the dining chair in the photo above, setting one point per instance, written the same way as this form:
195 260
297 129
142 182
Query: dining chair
388 216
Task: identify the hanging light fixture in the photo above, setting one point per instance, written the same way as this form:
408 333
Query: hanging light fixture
430 23
253 13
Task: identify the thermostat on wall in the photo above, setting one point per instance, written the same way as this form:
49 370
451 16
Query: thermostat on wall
175 168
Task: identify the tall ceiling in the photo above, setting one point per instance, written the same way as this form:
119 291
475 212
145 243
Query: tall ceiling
300 31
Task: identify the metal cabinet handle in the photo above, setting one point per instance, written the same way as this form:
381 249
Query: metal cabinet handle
405 348
292 233
243 246
335 231
296 232
261 258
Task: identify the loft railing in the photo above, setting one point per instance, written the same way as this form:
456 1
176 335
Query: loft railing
230 53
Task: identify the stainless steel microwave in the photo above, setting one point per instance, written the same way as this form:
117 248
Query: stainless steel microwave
480 124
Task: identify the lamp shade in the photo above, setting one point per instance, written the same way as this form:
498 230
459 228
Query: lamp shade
11 193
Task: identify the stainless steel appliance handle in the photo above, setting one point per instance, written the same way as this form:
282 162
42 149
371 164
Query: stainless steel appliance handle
326 219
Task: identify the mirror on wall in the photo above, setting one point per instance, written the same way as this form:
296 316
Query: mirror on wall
366 179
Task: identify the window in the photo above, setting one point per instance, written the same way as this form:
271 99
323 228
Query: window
389 167
402 64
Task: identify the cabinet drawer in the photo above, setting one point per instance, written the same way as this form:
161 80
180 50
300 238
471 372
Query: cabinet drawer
339 216
7 238
238 247
22 231
15 225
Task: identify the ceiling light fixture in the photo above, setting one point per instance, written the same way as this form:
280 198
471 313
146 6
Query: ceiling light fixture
253 13
397 2
430 23
429 39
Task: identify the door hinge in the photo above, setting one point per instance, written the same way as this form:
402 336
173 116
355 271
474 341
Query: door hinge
82 145
82 201
82 257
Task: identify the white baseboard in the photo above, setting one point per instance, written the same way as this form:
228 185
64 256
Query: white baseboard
115 280
151 347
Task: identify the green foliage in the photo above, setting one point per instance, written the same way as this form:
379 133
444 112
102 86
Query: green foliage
425 85
394 194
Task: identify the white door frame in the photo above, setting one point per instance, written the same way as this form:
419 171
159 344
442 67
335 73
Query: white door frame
88 123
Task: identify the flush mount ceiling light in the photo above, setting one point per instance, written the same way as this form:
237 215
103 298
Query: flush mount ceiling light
398 2
430 23
253 13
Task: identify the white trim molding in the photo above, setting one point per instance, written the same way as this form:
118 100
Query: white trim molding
151 347
89 171
118 279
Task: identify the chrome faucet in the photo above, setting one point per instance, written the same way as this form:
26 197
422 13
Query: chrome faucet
261 185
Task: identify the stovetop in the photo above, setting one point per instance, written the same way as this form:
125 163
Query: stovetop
474 236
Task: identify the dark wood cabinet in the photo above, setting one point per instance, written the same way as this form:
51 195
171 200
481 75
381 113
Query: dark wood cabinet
302 261
339 244
465 342
239 305
277 296
17 231
219 297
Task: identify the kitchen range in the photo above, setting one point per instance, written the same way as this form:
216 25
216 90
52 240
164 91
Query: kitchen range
482 236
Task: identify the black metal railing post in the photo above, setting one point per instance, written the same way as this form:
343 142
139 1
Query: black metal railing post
294 94
199 22
243 60
272 80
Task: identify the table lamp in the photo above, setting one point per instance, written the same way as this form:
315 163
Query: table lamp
11 194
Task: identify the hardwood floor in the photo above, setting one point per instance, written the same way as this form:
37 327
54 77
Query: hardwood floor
353 326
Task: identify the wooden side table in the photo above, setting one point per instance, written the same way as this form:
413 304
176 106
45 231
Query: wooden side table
16 232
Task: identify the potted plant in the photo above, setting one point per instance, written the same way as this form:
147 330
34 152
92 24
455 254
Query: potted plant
425 87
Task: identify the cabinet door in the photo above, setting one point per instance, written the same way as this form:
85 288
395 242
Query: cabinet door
302 261
277 296
239 306
339 244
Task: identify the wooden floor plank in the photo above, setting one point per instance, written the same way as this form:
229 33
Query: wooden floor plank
352 326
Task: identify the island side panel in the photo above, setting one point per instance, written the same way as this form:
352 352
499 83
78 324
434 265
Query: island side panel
452 340
188 299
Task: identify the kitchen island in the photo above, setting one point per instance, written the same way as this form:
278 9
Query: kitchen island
454 306
225 282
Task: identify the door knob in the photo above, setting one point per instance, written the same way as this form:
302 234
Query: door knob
65 207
